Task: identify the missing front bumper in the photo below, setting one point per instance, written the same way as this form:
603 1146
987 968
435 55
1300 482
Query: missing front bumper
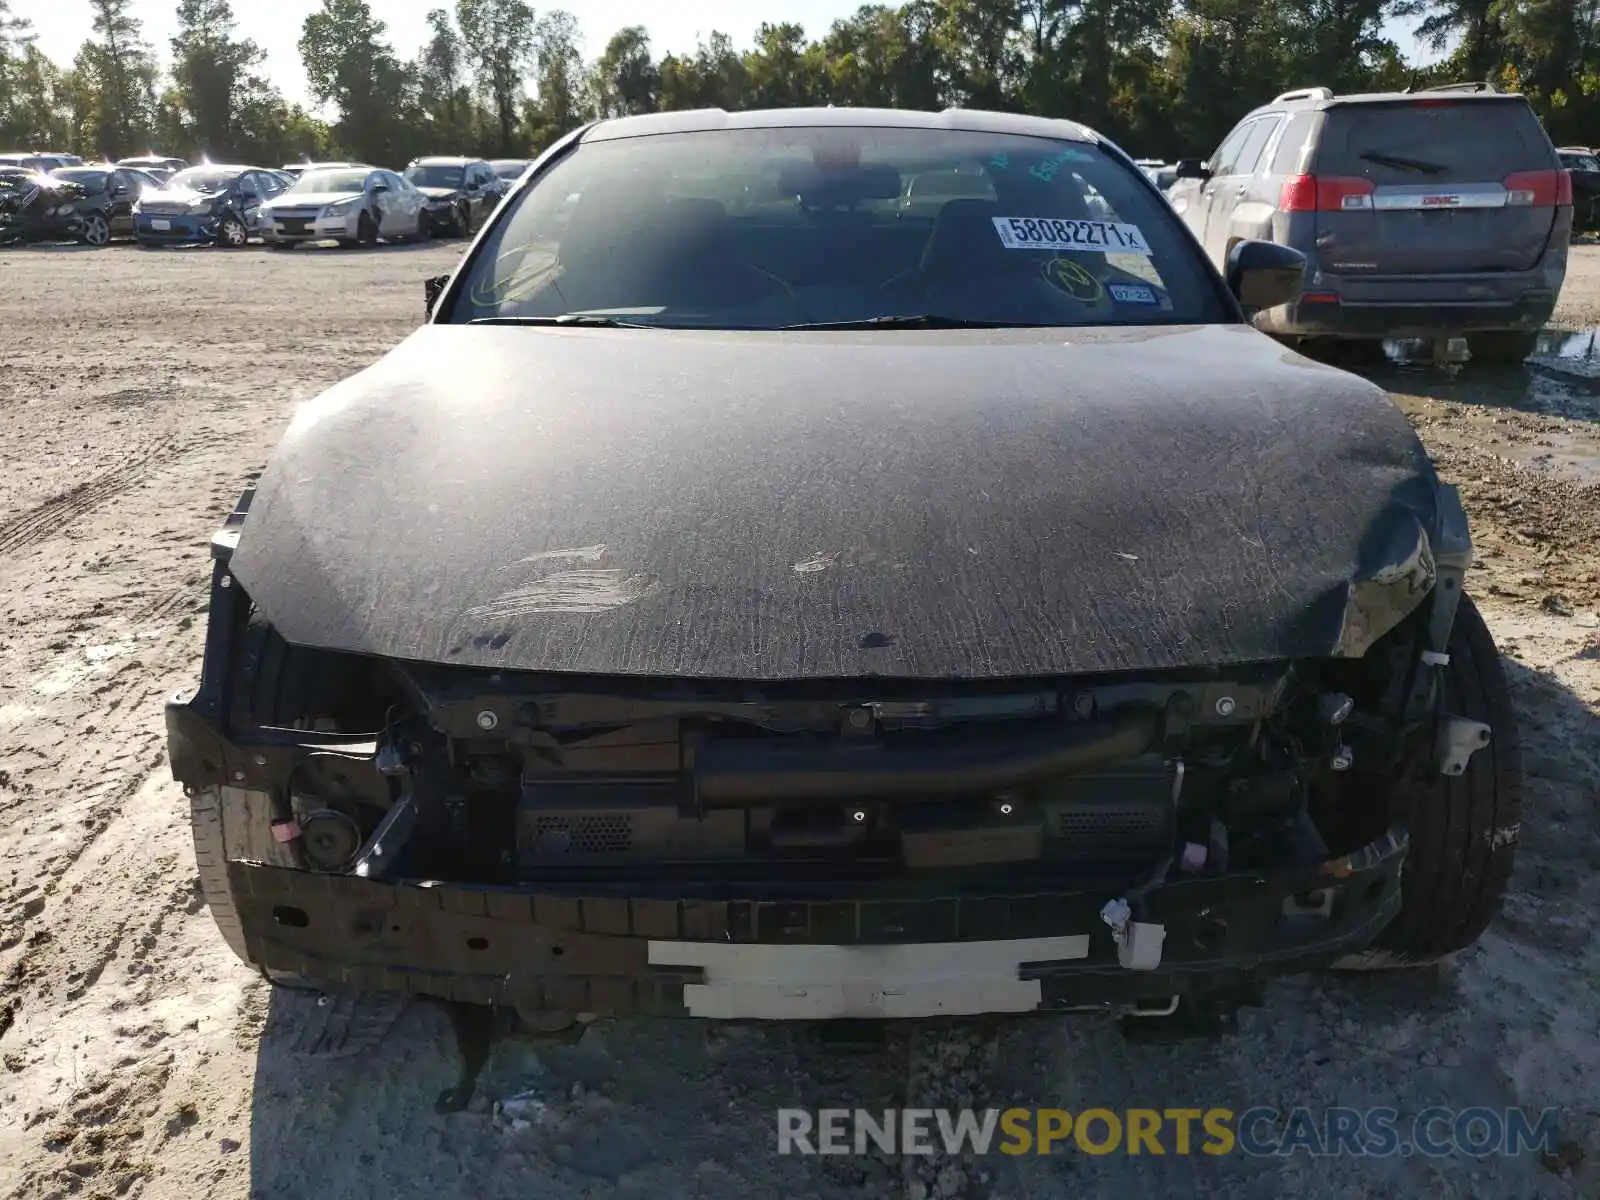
811 952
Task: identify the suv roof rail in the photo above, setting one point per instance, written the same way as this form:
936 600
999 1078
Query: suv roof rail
1310 93
1476 85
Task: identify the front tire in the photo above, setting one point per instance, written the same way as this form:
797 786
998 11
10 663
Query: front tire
366 231
96 230
232 233
1463 828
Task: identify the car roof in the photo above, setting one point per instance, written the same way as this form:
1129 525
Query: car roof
1320 98
973 120
443 160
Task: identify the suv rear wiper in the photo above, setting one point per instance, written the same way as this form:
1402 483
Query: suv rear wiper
1401 161
588 320
919 321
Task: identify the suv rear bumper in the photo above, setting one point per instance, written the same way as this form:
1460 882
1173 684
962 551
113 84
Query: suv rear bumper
791 951
1419 306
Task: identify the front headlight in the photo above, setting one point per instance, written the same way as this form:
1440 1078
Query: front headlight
201 207
341 207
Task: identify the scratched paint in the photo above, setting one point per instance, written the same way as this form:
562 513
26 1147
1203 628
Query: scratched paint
582 591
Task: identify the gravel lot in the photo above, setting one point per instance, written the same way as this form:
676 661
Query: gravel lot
140 389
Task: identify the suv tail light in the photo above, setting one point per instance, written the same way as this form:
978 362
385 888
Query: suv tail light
1539 189
1325 193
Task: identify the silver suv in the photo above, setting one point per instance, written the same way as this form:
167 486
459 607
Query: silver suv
1436 213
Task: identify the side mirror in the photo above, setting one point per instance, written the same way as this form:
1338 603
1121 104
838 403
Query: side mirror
432 289
1193 168
1265 274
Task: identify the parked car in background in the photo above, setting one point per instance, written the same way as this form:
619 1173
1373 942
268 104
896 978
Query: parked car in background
1433 214
109 192
212 203
461 192
1583 164
42 163
353 206
161 167
34 207
295 170
510 169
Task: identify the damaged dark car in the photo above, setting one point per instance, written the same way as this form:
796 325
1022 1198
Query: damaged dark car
744 598
38 208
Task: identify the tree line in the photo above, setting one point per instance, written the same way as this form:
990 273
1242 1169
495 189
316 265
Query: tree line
498 79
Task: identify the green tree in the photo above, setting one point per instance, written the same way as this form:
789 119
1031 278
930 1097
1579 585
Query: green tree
782 70
442 90
351 66
558 105
113 84
713 77
498 36
212 83
626 79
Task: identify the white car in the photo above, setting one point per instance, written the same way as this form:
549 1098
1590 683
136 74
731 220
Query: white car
352 206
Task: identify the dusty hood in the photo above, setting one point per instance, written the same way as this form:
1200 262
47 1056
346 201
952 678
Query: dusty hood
440 193
771 505
311 199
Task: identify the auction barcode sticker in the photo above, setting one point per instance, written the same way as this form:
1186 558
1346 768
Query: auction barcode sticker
1055 233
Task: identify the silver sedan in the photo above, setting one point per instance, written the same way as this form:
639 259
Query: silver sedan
351 206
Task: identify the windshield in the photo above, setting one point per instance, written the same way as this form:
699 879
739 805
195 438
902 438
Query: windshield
330 181
202 179
509 170
1580 162
773 228
87 176
439 177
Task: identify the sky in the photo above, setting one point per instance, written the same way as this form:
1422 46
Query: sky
674 25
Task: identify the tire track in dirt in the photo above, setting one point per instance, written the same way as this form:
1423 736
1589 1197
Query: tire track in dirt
54 515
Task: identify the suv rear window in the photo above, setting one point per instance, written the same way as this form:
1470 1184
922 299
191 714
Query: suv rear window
1427 141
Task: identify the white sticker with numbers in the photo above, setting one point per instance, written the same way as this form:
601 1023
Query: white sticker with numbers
1057 233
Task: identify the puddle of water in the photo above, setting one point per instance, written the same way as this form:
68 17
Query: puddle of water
1561 378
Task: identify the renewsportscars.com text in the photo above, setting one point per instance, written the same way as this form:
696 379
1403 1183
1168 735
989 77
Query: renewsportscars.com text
1258 1132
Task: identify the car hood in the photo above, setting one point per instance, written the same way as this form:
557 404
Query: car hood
440 193
311 199
167 195
975 504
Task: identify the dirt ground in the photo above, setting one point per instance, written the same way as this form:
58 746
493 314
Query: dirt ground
138 390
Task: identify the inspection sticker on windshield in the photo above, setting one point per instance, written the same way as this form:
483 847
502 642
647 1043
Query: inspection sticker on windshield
1054 233
1132 293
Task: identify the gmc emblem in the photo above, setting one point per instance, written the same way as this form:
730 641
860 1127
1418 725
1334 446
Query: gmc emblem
1440 201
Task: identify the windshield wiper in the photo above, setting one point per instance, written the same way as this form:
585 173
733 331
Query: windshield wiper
918 321
587 320
1401 161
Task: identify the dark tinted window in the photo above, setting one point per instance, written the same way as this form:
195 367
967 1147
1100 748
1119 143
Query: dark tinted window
1250 151
90 180
1428 140
434 176
203 179
1228 153
767 228
1286 159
